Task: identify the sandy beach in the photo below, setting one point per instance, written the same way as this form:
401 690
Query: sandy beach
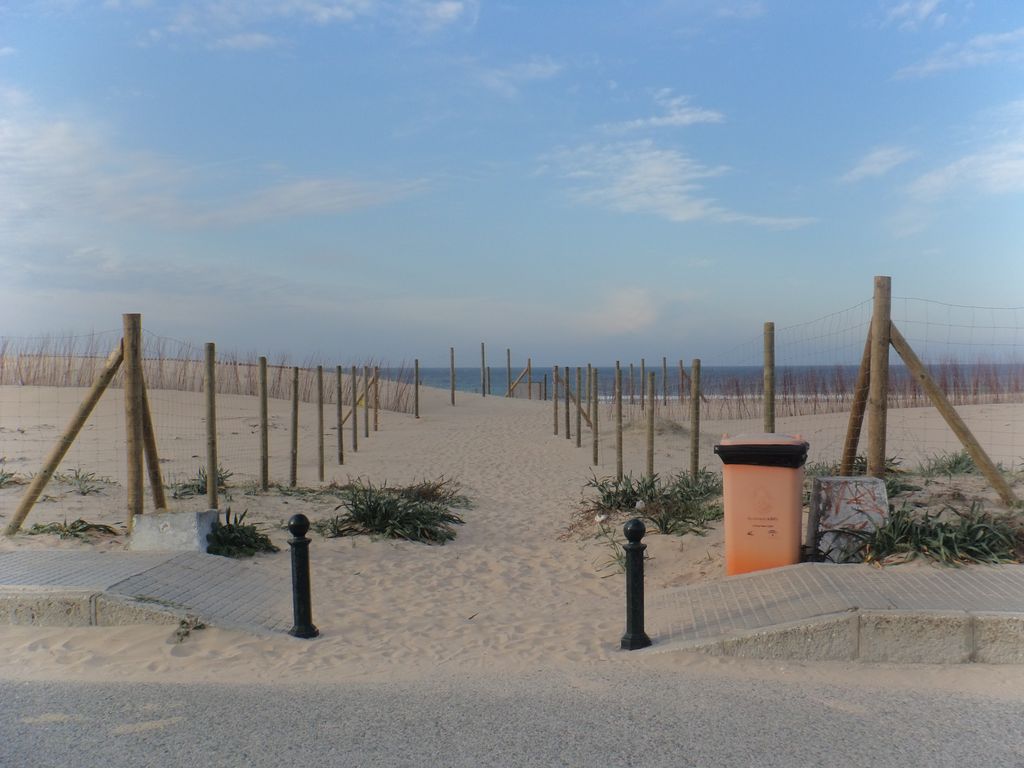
512 592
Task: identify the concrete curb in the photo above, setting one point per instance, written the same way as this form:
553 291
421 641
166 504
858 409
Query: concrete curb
898 636
82 608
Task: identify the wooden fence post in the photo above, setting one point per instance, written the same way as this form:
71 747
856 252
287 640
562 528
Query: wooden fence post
643 382
508 372
529 379
664 381
320 421
56 455
594 408
366 401
860 399
156 482
483 371
618 422
340 416
952 418
416 387
376 398
579 407
878 388
293 470
650 424
695 418
769 377
212 473
132 327
355 409
544 389
451 371
682 381
565 382
554 400
264 428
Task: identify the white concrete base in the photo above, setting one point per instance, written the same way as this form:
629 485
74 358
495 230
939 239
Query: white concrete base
172 531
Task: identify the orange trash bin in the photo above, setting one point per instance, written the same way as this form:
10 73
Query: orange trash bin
762 486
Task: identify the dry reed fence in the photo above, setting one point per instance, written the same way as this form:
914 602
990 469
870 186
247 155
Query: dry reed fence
173 365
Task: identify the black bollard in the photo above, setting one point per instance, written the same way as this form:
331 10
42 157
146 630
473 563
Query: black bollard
301 598
635 636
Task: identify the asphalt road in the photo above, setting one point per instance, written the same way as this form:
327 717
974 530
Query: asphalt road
610 717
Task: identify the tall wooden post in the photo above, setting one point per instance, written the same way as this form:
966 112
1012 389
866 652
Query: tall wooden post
594 408
508 372
355 409
618 421
132 328
264 428
878 388
320 421
67 438
489 390
643 382
416 387
376 398
156 482
632 389
856 421
483 371
695 417
650 424
554 400
769 377
579 406
664 381
451 370
212 473
565 381
366 401
293 461
529 379
682 382
590 396
544 388
340 416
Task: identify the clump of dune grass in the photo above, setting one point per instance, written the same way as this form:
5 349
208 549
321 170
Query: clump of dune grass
949 464
679 505
418 512
237 538
78 529
950 537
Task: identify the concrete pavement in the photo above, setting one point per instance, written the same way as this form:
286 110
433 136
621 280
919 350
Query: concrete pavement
810 611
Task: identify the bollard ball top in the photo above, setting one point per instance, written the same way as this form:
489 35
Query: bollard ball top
634 530
298 525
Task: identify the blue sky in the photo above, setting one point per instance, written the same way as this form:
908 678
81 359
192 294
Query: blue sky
576 179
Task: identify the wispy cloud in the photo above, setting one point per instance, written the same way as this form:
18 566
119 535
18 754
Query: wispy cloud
911 14
877 162
639 177
509 80
978 51
246 41
995 167
7 50
752 9
677 112
235 24
65 177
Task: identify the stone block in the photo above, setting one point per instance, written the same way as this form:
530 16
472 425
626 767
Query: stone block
118 611
822 638
915 637
172 531
999 638
844 504
48 609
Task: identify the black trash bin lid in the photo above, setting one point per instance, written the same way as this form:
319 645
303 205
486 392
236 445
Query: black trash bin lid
763 450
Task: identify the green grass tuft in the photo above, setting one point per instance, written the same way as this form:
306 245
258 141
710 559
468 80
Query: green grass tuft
236 538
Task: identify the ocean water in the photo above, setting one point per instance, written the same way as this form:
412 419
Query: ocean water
740 381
